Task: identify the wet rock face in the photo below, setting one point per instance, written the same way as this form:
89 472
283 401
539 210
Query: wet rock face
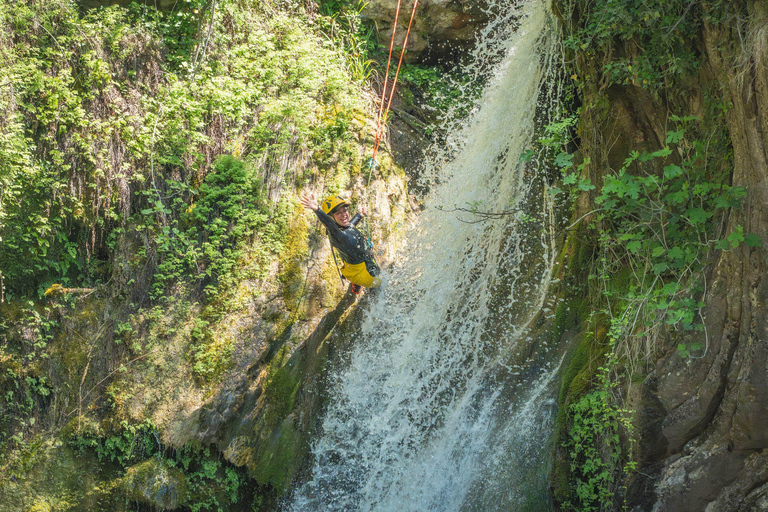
441 28
714 408
703 420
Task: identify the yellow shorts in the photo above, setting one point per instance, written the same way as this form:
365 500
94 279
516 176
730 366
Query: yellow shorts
359 275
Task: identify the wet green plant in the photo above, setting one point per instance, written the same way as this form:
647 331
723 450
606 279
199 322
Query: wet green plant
213 483
132 442
597 460
342 25
182 30
657 220
203 235
439 90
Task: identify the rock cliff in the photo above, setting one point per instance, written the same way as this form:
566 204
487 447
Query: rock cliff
442 29
700 420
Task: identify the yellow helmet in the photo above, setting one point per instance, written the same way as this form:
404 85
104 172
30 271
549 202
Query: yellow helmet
331 203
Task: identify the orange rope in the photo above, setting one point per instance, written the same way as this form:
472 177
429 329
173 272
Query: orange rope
389 61
382 119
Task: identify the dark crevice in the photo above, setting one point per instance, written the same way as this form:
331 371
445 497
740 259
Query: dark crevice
717 398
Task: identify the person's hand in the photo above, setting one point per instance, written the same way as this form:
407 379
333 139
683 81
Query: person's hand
363 210
309 202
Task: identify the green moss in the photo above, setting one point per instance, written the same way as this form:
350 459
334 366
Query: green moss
50 475
293 259
578 378
576 311
280 388
156 484
278 462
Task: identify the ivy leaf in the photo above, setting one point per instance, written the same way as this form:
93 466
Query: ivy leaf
663 152
736 238
753 240
634 155
526 155
634 246
660 268
670 171
678 197
675 253
670 288
570 179
674 137
722 202
633 189
563 159
698 215
553 191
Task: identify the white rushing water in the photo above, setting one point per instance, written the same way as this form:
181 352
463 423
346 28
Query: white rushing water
434 408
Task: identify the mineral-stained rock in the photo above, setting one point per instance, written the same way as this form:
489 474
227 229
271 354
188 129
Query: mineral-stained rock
440 27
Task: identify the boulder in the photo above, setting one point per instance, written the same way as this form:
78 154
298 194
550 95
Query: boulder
155 483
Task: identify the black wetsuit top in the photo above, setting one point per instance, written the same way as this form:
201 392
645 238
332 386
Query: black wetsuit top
349 242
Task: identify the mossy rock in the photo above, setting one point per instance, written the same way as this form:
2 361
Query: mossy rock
278 462
51 475
155 483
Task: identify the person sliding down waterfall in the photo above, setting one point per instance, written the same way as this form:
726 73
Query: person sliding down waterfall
358 266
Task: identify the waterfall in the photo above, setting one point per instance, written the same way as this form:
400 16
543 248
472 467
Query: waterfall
445 401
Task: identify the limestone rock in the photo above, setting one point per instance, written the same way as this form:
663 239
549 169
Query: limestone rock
440 27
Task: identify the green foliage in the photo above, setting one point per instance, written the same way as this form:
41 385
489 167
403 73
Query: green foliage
114 122
666 221
24 389
652 41
658 217
133 442
655 219
128 100
205 241
594 447
214 484
441 90
178 29
340 21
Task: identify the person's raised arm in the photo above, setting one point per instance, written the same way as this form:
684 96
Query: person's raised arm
309 202
362 212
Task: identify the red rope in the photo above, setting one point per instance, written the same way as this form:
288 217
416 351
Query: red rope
382 119
389 61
